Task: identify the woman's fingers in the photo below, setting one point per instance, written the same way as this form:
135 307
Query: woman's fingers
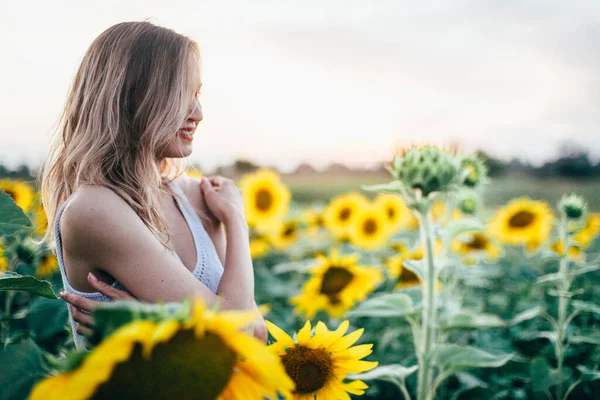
82 318
82 330
108 290
78 301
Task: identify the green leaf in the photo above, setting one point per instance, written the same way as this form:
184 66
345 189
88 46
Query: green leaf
550 335
548 278
591 338
544 377
464 225
394 186
26 283
453 358
108 317
21 367
392 373
526 315
390 305
416 266
588 374
12 217
295 266
584 270
471 320
585 306
46 318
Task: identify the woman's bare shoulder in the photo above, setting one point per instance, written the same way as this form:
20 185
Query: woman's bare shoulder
92 216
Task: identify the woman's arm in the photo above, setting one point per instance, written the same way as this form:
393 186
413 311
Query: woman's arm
99 228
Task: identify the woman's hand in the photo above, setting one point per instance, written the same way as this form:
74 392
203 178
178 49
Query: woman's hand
223 198
82 308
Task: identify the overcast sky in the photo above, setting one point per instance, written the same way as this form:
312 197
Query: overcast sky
333 80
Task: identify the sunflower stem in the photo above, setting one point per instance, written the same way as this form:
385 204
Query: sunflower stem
429 310
6 317
563 288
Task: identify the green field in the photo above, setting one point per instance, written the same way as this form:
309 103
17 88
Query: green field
318 188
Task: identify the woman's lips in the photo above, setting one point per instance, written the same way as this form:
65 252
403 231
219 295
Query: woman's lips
186 134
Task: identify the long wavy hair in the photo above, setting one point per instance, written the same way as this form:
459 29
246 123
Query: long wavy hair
132 92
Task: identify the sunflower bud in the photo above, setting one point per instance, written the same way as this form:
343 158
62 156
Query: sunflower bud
573 206
473 171
469 202
26 250
427 168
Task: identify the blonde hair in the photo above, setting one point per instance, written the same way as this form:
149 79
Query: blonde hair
133 90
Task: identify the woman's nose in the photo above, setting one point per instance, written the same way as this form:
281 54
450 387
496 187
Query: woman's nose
196 114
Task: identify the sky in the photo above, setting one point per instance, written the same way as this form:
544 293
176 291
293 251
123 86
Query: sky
322 81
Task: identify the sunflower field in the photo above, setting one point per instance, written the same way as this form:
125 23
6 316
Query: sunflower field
412 289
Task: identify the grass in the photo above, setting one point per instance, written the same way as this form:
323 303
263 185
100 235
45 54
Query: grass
318 188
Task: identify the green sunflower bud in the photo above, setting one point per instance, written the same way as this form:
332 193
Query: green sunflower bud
469 202
26 250
427 168
573 206
473 171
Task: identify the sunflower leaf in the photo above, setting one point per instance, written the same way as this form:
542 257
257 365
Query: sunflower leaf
526 315
544 377
469 320
295 266
12 218
592 338
548 278
394 186
386 372
454 358
584 270
390 305
466 225
588 374
26 283
586 307
416 266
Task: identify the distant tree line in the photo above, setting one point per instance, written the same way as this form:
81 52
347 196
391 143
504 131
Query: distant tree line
572 162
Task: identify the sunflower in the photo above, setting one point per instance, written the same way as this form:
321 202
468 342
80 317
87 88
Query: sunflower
398 215
335 285
3 260
20 191
474 246
369 228
407 278
319 363
439 211
284 235
204 357
266 198
259 247
522 221
314 222
590 230
47 266
40 220
194 173
340 213
575 252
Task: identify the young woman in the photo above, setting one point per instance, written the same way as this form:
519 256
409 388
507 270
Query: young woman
124 221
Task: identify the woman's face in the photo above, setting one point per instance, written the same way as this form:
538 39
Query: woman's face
181 145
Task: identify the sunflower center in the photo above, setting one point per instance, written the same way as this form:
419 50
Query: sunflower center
391 213
521 219
264 199
184 367
308 368
289 231
344 214
478 242
12 194
334 281
370 226
408 276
